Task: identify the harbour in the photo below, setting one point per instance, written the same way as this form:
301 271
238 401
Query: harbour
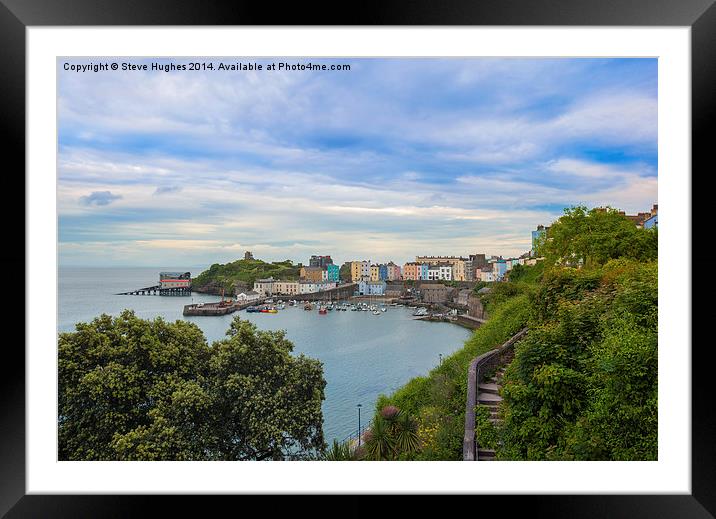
363 354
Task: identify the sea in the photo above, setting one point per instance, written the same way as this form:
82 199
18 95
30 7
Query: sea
363 355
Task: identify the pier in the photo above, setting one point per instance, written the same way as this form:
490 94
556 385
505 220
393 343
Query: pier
332 294
157 290
219 308
170 284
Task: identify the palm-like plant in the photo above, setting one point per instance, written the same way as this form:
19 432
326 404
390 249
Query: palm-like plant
392 434
380 444
339 452
405 430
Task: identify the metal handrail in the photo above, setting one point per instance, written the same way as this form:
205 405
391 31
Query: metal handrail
352 436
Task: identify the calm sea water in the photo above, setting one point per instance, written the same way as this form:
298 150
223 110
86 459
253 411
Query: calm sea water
363 355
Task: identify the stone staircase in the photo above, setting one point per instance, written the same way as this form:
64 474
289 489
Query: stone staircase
488 396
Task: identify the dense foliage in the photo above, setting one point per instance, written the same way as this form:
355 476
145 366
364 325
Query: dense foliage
132 389
344 273
592 237
583 384
526 274
393 435
245 272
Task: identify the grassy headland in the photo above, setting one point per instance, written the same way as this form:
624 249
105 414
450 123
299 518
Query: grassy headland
242 274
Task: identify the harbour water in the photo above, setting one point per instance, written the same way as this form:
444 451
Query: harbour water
363 355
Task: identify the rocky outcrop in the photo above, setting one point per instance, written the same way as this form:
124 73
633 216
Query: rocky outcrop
214 288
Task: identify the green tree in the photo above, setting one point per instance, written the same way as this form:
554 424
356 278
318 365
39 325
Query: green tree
345 272
133 389
593 237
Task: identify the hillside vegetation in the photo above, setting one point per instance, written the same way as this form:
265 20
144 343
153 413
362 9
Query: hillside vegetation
242 273
583 383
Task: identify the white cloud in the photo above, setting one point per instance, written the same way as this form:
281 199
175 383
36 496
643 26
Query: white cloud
391 161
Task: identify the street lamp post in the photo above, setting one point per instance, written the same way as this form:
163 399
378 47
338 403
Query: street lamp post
441 357
359 406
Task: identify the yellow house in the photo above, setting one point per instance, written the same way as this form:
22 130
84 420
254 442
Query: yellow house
355 271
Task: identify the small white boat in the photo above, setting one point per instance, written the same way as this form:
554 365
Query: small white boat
376 312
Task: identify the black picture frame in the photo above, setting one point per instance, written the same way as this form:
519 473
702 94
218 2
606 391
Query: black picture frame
17 15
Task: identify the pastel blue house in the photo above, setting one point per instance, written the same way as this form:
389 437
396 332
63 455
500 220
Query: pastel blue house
332 271
652 222
423 271
499 268
383 272
536 237
371 288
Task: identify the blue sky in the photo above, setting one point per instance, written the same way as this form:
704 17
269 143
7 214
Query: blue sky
394 158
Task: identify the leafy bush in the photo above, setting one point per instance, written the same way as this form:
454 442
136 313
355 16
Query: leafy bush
530 274
133 389
583 384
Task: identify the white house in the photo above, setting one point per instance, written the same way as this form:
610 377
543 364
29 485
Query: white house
445 271
264 287
433 273
307 287
247 297
485 274
311 287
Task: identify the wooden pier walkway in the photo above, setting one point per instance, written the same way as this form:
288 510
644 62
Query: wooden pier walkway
157 290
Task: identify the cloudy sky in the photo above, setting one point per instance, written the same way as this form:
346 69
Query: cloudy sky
394 158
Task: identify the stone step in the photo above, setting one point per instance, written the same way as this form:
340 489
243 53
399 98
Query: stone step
488 388
488 398
494 420
485 454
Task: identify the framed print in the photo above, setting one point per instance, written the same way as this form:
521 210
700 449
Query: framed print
225 177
